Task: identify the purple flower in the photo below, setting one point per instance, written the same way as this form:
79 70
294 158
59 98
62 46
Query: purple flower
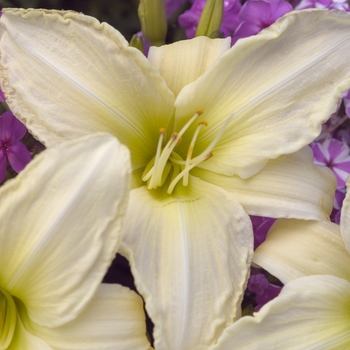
190 18
256 15
11 149
338 202
263 289
261 226
172 6
335 155
323 4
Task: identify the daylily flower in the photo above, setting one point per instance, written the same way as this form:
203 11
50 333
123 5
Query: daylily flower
61 220
214 133
11 149
312 312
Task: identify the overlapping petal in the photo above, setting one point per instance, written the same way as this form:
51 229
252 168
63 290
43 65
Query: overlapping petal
189 254
115 313
87 79
289 186
55 250
179 66
286 79
296 248
310 313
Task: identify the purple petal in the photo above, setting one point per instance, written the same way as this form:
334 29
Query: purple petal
244 30
279 9
172 6
3 165
321 155
230 20
261 226
257 284
339 197
254 11
11 129
18 156
270 293
336 149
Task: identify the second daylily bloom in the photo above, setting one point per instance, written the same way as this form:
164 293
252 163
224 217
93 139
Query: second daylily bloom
214 133
61 221
312 312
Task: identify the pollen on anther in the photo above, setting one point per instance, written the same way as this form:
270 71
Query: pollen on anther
162 131
203 122
209 155
200 111
174 136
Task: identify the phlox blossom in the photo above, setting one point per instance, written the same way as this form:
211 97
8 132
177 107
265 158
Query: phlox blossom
335 155
11 149
256 15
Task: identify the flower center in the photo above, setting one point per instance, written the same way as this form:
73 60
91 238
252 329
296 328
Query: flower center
167 163
8 314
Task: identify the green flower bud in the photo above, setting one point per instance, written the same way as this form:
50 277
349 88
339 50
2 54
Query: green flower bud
211 17
137 42
153 21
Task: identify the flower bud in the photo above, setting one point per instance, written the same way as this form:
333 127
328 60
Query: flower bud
137 42
153 20
211 17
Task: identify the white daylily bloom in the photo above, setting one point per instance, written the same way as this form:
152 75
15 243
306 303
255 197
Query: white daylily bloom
61 221
239 113
313 311
310 313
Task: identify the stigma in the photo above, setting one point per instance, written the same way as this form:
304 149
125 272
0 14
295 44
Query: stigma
168 163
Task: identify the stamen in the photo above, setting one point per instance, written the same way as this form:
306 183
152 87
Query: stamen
199 159
190 150
146 176
167 160
174 140
206 154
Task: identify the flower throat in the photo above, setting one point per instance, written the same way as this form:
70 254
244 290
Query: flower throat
167 162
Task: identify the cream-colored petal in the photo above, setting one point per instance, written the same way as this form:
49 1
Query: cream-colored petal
190 255
296 248
114 319
290 186
311 313
280 86
65 74
61 220
345 217
184 61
